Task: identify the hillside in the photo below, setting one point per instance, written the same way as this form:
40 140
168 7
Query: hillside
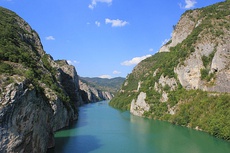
103 84
38 95
97 89
188 81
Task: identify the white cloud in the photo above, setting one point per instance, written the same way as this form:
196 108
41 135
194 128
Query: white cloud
94 3
105 77
188 4
98 23
151 50
50 38
135 60
116 23
116 72
72 62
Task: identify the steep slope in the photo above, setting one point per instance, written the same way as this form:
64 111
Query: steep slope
110 85
97 89
92 94
188 81
36 98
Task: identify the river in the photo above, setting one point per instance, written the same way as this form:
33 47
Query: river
103 129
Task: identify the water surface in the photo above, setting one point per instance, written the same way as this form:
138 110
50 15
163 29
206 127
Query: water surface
103 129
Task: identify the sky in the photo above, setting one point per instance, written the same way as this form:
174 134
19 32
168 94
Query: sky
103 38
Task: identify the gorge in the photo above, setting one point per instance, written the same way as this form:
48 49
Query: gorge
38 95
187 83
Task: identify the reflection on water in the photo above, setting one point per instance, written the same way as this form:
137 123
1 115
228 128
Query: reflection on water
102 129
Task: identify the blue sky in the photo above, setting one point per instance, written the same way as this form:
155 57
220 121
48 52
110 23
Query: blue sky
103 38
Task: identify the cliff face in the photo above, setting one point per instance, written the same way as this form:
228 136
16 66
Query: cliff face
97 89
189 78
37 95
92 94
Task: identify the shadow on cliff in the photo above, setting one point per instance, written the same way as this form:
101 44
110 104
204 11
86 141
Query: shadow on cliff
75 144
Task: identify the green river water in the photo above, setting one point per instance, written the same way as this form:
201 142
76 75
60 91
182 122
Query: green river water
103 129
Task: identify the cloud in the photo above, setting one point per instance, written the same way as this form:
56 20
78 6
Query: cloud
116 72
189 4
98 23
94 3
105 77
151 50
116 23
50 38
135 60
72 62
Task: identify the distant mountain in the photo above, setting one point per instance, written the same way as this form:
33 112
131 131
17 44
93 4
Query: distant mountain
109 85
188 81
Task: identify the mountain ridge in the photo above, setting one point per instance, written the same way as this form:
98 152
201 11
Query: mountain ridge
189 77
111 85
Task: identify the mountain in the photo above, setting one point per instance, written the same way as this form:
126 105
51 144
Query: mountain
104 84
188 81
38 95
97 89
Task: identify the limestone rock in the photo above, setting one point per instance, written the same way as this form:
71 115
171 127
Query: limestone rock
39 98
139 106
94 95
181 31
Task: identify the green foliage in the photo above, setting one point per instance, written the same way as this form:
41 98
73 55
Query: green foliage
111 85
209 112
5 68
208 59
17 47
204 73
123 104
170 41
194 108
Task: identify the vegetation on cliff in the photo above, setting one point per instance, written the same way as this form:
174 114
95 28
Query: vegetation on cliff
19 54
38 96
197 108
110 85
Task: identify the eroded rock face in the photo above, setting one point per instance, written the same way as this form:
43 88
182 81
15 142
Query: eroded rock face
26 120
70 81
220 67
94 95
189 73
139 106
28 117
37 100
181 31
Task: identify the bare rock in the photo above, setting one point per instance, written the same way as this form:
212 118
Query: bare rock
139 106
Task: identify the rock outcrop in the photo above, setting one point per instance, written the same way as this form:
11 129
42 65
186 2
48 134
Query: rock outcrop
139 107
37 95
190 74
182 30
92 94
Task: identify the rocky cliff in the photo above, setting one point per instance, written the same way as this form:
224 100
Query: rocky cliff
188 81
96 89
92 94
37 95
